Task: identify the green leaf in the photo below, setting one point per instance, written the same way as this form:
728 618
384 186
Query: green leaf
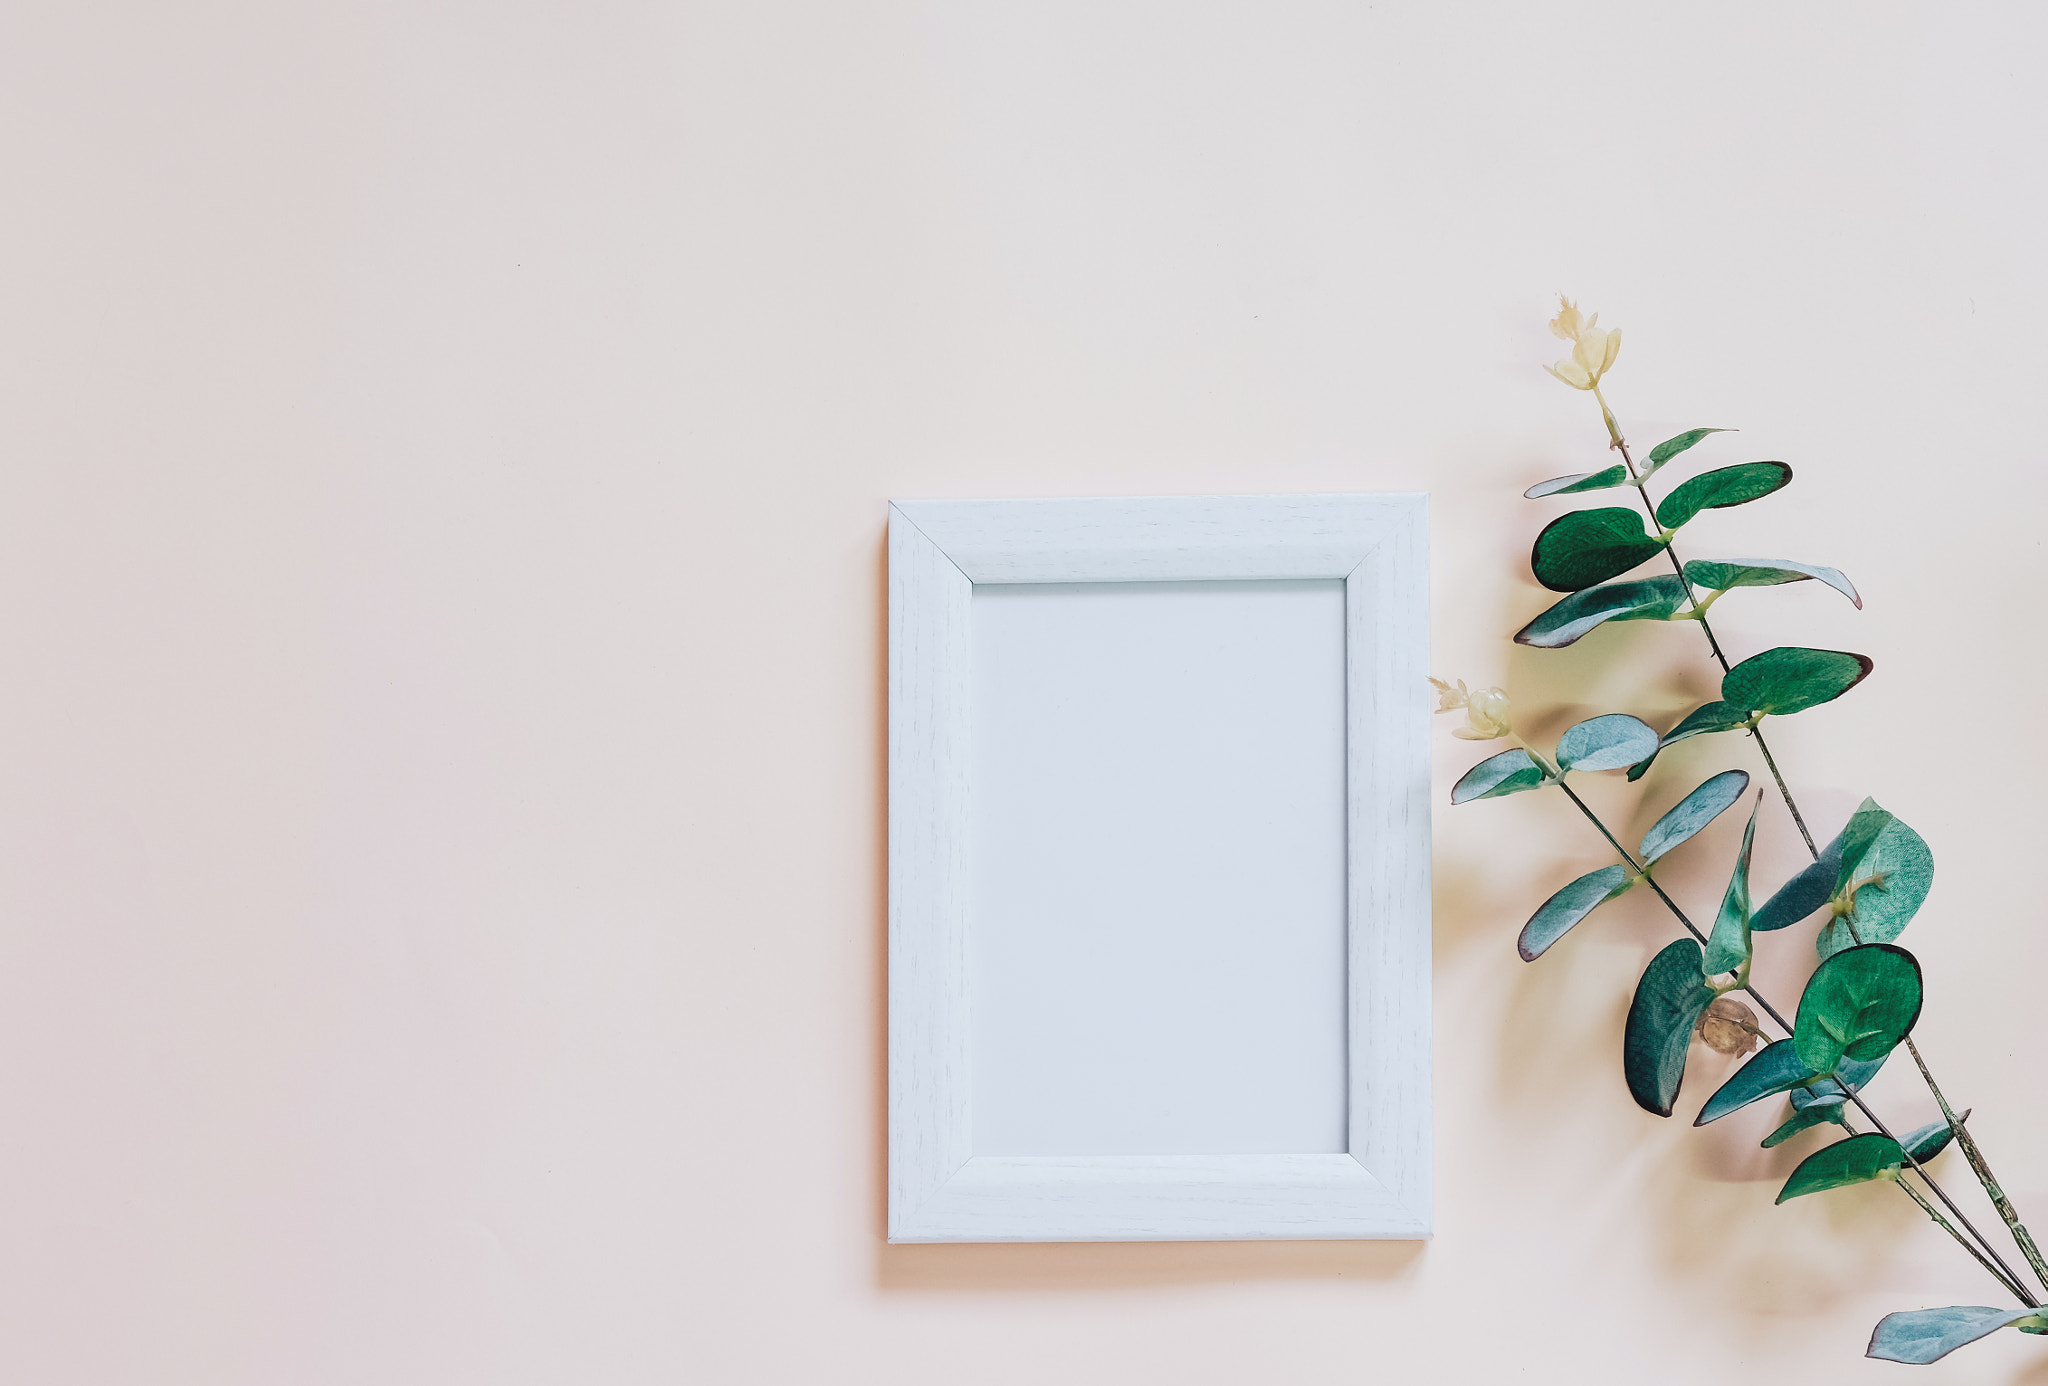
1588 547
1765 572
1647 599
1792 679
1671 447
1568 907
1925 1142
1578 481
1857 1160
1919 1336
1694 812
1858 1004
1885 873
1776 1069
1803 894
1608 742
1510 772
1668 1003
1719 489
1850 1075
1707 717
1811 1115
1728 944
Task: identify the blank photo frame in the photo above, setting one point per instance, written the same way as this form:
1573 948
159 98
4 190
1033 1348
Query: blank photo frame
1159 869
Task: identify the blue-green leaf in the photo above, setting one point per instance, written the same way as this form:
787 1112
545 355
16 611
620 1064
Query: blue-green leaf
1608 742
1925 1142
1694 812
1578 481
1857 1160
1568 907
1803 894
1668 1002
1722 575
1811 1115
1850 1075
1885 872
1721 488
1671 447
1510 772
1728 944
1647 599
1919 1336
1707 717
1777 1069
1858 1004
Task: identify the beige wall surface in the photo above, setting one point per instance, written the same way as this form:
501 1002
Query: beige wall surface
445 449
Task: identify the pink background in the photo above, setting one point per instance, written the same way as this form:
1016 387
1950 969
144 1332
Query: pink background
441 611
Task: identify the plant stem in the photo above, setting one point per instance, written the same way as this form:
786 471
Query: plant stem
1949 1228
2011 1279
1984 1174
1769 760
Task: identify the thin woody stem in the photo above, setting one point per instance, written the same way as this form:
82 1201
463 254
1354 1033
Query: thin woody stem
1761 745
2009 1278
1949 1228
1983 1169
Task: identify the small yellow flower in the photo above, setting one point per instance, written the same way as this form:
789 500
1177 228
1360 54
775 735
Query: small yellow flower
1449 699
1486 711
1569 322
1593 348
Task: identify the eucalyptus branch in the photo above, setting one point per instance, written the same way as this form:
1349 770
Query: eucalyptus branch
1971 1152
1863 1000
2009 1277
1699 613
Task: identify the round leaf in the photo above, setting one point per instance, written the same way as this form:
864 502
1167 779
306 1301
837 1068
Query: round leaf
1765 572
1671 447
1857 1160
1578 481
1605 743
1920 1336
1510 772
1791 679
1668 1002
1649 599
1777 1069
1719 489
1588 547
1890 879
1694 812
1858 1004
1568 907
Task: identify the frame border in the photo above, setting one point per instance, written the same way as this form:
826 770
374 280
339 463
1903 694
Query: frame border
939 1191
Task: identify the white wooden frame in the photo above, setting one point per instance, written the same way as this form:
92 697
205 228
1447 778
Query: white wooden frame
939 1190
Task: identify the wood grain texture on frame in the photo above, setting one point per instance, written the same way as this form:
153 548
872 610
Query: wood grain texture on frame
938 1189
